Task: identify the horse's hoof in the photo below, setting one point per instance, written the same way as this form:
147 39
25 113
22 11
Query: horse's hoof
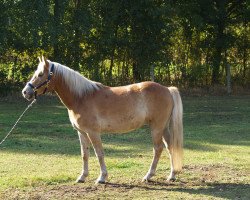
102 179
80 181
148 177
100 182
172 179
145 180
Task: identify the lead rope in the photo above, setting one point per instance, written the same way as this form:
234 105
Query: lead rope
18 121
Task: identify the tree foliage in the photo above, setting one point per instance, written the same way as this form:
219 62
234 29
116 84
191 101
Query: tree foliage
188 43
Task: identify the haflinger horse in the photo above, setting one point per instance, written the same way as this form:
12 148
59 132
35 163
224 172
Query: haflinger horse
94 108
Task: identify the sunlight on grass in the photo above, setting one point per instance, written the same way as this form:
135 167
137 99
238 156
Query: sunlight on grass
43 152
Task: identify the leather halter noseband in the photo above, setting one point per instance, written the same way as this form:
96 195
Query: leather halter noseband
46 82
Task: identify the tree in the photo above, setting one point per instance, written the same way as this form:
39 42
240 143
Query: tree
187 43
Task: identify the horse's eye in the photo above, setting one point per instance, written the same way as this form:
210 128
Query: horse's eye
40 75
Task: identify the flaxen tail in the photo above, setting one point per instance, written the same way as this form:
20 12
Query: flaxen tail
176 130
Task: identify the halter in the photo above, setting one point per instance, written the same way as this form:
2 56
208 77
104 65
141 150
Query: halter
46 82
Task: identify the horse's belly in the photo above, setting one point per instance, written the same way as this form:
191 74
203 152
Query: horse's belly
122 124
121 128
109 125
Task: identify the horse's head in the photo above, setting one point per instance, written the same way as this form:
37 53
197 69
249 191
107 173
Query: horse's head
39 82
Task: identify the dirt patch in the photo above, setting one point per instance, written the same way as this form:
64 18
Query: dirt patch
214 173
198 180
50 192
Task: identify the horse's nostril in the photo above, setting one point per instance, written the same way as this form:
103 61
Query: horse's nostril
24 92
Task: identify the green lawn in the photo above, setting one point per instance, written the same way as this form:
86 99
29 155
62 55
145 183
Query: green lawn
41 158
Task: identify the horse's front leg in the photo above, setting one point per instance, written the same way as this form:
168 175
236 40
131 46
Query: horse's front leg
84 142
97 144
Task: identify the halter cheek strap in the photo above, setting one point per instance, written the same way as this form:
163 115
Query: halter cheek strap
46 82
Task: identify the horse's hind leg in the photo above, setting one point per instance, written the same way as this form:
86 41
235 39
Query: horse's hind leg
158 147
166 136
97 144
84 142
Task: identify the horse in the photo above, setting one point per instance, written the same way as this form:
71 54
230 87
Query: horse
94 108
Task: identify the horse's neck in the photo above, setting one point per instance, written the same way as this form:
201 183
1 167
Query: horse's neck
67 97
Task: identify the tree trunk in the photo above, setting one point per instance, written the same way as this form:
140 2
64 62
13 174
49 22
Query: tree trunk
113 53
136 72
245 50
152 73
56 52
77 38
111 64
219 44
229 90
216 66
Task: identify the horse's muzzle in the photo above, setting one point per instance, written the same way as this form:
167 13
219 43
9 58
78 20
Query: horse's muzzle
28 93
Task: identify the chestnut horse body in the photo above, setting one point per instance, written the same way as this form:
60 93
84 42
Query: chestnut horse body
94 108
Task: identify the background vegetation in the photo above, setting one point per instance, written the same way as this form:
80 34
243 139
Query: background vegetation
185 43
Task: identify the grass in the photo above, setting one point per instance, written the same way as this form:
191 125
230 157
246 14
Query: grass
41 158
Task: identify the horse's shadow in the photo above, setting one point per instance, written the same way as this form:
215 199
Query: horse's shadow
219 190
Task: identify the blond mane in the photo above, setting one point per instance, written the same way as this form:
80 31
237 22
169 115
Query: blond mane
76 82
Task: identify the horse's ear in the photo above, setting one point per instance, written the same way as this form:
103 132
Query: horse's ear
39 59
44 59
46 62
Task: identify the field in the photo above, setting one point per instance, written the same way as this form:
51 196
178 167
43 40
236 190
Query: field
41 158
